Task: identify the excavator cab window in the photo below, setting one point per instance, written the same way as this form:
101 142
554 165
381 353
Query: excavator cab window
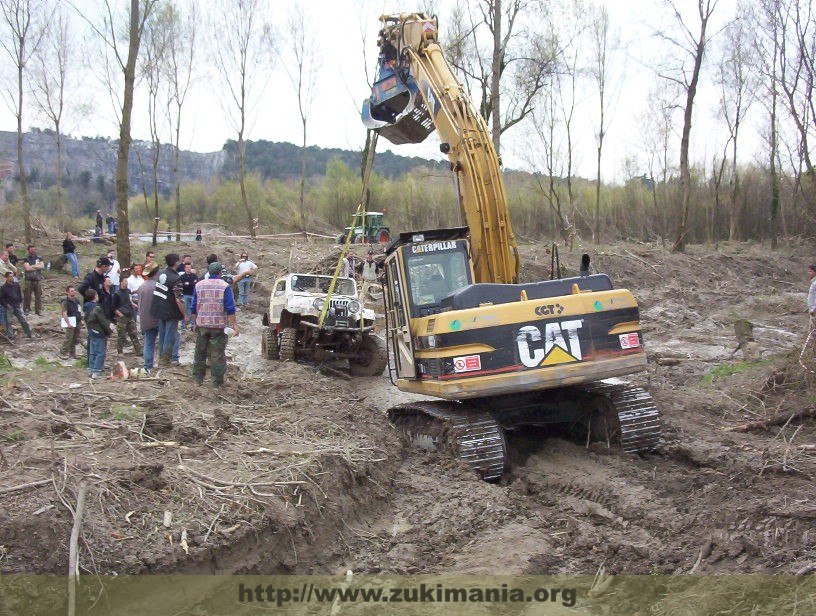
433 274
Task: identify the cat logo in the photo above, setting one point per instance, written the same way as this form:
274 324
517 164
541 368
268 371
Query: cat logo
558 345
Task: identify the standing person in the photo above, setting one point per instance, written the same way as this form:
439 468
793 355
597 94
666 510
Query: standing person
109 221
370 267
125 312
148 323
150 259
347 269
188 282
6 265
213 310
168 308
99 328
33 267
114 271
96 280
99 220
11 298
12 257
811 299
246 270
69 250
198 235
135 279
71 309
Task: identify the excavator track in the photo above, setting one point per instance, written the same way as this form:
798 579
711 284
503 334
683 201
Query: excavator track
633 420
473 436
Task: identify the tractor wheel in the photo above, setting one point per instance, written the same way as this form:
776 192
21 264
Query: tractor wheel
383 236
288 343
372 358
270 348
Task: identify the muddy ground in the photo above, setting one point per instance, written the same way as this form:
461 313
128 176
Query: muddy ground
293 468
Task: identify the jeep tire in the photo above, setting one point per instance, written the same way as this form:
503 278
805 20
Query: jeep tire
288 343
270 349
372 358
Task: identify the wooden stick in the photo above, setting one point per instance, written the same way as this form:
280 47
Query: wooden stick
24 486
73 558
776 420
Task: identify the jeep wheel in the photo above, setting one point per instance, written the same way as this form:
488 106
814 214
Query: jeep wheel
269 344
288 342
372 358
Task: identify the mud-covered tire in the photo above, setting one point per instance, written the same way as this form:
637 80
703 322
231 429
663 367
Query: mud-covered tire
373 358
270 349
288 343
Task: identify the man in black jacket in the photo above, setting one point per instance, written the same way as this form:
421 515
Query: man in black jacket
11 298
168 308
97 279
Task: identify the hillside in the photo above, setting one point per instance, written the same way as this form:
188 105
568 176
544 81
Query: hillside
87 159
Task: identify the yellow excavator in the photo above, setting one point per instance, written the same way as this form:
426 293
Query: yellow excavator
460 326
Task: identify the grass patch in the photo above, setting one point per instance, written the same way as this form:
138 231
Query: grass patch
42 362
82 362
126 412
15 436
720 372
5 363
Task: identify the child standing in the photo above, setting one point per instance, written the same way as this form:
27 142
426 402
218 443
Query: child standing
99 328
125 311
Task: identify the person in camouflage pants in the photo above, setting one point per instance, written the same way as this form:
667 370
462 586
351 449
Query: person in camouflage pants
213 311
125 312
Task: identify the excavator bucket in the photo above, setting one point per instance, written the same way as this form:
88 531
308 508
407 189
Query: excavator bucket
396 109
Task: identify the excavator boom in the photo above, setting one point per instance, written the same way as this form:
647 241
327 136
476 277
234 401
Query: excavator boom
415 92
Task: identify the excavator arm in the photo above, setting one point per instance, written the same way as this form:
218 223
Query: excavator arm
416 92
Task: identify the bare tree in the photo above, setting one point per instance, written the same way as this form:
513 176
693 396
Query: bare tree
738 84
54 60
604 45
691 43
25 28
507 74
770 24
179 59
302 71
241 59
156 37
121 36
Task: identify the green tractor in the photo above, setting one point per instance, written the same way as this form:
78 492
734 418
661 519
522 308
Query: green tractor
375 229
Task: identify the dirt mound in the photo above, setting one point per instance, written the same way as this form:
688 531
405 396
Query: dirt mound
293 468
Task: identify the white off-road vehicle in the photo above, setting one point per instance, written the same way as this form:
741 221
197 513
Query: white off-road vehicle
292 327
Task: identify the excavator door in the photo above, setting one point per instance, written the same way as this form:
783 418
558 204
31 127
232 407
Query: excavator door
399 330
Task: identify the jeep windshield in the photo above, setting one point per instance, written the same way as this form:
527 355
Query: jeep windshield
320 284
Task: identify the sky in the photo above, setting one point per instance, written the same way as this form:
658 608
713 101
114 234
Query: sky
340 28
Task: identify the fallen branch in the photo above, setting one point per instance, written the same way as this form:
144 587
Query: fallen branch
636 258
73 559
776 420
25 486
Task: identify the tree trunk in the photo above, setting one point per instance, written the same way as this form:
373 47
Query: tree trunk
60 205
123 153
303 180
242 182
495 78
20 166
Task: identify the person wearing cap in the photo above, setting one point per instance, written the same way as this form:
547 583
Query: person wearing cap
370 267
213 311
148 323
97 279
168 308
246 270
